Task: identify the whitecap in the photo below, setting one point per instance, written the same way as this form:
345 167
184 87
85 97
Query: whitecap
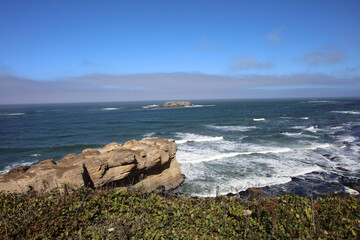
305 118
149 134
259 119
337 127
12 114
213 158
110 109
150 106
195 106
291 134
35 155
190 137
233 128
312 129
318 146
346 112
347 138
320 101
298 127
234 154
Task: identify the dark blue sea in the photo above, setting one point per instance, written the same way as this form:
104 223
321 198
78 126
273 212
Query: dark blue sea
302 146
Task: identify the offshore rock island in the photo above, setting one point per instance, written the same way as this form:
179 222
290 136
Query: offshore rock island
149 164
176 104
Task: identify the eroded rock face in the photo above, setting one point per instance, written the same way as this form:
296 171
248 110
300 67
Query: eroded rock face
176 104
149 163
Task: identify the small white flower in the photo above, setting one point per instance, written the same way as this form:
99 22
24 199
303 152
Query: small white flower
247 213
111 229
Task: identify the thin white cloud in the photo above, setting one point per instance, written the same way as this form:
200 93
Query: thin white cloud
204 45
3 67
274 36
87 62
248 63
327 55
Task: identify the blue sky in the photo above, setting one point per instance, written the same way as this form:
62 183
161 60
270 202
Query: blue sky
64 51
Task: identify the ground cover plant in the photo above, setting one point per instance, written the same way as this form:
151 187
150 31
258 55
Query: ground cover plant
130 214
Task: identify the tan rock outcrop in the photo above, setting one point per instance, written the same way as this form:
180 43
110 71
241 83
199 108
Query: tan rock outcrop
176 104
149 163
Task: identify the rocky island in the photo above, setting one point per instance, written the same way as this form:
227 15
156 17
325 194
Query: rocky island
176 104
149 163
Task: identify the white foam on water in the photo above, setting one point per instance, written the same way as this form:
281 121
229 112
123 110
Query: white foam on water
110 109
243 184
149 134
258 119
337 127
12 114
291 134
283 174
347 138
298 127
305 118
236 165
196 106
9 167
216 157
320 101
234 154
346 112
191 137
150 106
351 191
199 140
312 129
233 128
35 155
354 124
318 146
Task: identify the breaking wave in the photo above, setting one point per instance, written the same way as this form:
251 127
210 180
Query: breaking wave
190 137
346 112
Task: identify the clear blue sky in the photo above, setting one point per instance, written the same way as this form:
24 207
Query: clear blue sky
145 50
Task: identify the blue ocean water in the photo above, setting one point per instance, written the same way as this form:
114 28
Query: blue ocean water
293 145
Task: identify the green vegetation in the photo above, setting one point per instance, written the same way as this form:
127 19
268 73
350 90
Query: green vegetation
111 214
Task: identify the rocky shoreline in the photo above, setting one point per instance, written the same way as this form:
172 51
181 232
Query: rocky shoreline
149 164
307 186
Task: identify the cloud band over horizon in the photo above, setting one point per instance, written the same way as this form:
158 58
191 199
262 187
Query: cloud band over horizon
173 86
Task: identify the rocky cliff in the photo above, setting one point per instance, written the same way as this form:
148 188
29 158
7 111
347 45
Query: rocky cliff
149 163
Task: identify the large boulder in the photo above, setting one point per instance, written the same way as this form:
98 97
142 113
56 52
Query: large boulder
176 104
149 163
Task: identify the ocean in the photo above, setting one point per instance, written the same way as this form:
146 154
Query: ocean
304 146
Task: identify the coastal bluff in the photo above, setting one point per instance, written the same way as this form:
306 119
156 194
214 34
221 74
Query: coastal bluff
149 164
176 104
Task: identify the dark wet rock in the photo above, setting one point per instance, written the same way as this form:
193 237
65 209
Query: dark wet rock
328 156
342 169
352 183
251 192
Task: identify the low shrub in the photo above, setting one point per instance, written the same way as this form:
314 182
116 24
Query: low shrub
129 214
